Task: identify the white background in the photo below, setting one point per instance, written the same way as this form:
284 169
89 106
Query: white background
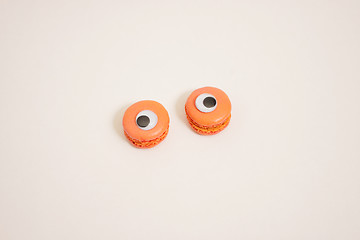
287 167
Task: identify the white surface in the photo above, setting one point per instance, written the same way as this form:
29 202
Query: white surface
287 167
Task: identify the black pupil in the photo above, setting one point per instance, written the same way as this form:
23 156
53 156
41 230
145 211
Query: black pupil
143 121
209 102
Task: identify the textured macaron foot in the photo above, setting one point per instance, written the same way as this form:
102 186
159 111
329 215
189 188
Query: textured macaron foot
147 144
203 130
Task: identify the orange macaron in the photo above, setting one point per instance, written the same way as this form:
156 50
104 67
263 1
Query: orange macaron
146 123
208 110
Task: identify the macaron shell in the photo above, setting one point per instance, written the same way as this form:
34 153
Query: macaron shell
132 129
218 116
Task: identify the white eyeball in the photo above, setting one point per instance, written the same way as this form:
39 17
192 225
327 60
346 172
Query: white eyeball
146 120
205 103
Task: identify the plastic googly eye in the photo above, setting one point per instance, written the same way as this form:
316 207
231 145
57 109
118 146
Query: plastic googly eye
146 120
206 103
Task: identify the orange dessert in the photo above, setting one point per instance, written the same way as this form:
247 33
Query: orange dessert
146 123
208 110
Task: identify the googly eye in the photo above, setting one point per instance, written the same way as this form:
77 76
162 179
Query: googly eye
205 103
146 120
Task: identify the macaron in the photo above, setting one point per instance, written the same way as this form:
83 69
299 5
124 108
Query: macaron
146 123
208 110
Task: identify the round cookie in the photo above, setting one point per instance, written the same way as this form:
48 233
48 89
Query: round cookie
208 110
146 123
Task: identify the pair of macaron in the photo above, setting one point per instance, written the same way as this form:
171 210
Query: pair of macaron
146 123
